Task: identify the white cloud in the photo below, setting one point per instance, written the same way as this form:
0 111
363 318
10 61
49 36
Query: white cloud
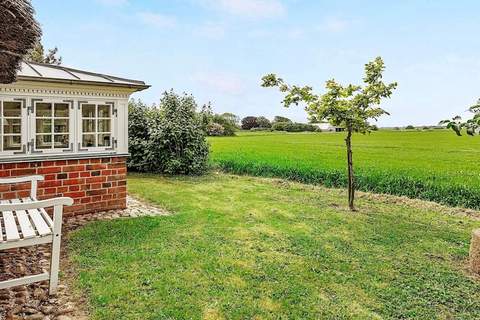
157 20
113 2
220 81
249 8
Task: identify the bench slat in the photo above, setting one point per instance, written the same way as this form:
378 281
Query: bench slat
11 230
27 229
39 223
44 213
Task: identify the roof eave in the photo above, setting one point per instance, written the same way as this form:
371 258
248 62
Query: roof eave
137 87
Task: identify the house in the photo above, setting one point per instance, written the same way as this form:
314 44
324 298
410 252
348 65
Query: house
325 126
70 126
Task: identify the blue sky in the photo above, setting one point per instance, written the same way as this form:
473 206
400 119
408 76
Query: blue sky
218 50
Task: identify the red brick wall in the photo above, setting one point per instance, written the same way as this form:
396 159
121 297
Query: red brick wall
96 184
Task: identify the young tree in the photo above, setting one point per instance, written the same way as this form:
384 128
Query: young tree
472 126
350 107
37 54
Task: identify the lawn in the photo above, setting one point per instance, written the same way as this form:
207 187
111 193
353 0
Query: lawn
239 247
433 165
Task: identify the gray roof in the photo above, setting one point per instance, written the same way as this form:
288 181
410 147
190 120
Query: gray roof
33 71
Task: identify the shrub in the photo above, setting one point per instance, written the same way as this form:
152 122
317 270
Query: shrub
281 119
279 126
294 127
215 129
249 123
410 127
227 120
228 124
263 122
168 139
374 127
260 129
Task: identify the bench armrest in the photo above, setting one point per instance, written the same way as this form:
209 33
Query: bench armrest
32 179
55 202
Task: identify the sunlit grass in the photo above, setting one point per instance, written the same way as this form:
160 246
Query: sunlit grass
433 165
251 248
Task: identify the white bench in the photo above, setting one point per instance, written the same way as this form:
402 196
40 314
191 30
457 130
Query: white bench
24 222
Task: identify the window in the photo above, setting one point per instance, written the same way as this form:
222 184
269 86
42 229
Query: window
52 129
11 126
96 125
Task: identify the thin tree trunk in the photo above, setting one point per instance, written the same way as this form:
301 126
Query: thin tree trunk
351 176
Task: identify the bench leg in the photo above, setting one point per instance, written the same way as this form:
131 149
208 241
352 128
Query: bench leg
55 262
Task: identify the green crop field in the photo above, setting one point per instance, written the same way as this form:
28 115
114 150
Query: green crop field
432 165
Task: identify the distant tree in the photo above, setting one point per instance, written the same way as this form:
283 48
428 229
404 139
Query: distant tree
281 119
263 122
374 127
229 127
37 54
249 123
409 127
211 122
350 107
206 115
471 126
232 118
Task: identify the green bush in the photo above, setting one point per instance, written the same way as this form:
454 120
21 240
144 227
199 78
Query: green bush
410 127
228 121
279 126
293 127
215 130
281 119
168 139
260 129
228 124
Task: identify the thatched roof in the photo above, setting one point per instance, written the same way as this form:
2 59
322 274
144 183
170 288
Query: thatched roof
19 32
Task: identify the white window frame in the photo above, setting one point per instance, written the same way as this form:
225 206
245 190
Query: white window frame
33 126
24 127
113 123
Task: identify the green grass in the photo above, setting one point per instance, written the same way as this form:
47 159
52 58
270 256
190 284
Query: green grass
241 247
432 165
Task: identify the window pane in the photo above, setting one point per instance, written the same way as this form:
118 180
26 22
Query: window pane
12 109
61 110
103 125
44 125
88 140
60 125
104 140
44 110
104 111
12 125
11 143
60 141
44 142
88 110
88 126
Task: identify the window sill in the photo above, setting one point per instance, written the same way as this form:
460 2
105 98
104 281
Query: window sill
69 156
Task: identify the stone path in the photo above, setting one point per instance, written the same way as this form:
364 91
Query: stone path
32 302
